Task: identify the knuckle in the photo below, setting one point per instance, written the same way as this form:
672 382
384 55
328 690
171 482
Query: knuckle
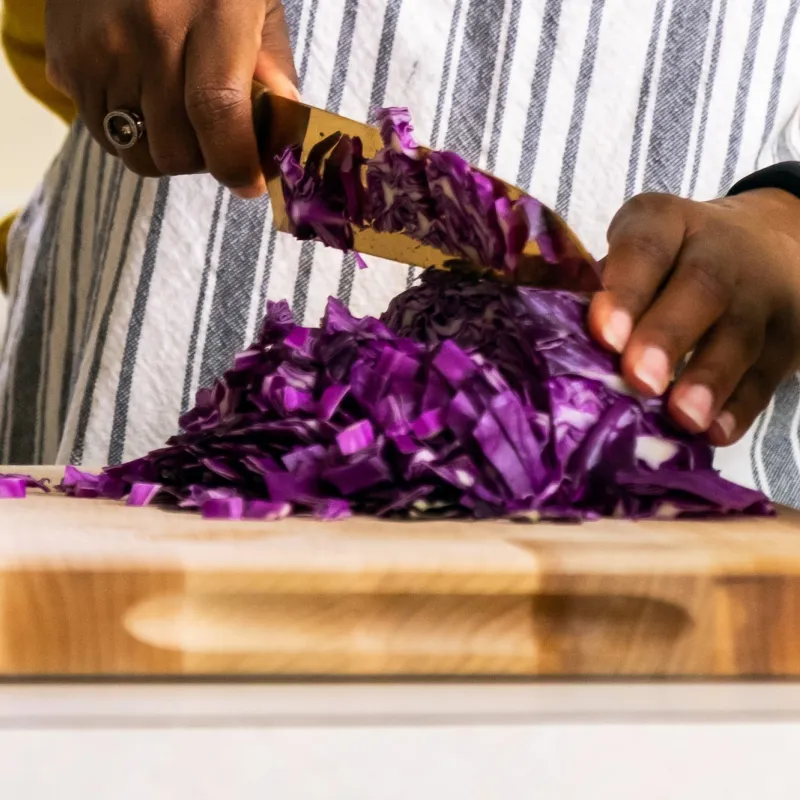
637 211
154 13
649 202
646 247
111 39
208 105
161 28
709 277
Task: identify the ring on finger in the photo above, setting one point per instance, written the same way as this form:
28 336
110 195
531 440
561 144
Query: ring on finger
124 128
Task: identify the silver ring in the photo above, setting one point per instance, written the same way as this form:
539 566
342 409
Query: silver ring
123 128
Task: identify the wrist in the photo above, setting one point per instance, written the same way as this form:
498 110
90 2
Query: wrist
769 198
784 176
777 207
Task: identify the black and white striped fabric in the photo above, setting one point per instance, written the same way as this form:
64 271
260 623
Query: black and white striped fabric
129 294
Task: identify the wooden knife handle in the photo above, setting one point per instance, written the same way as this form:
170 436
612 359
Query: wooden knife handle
279 122
262 122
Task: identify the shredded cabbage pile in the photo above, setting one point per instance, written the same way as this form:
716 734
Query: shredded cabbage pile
468 398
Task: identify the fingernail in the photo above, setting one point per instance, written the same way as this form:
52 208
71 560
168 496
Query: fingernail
652 369
726 422
617 329
696 403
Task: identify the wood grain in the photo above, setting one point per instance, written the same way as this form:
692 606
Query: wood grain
96 588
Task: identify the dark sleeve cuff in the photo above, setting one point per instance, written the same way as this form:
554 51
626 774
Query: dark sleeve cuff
784 176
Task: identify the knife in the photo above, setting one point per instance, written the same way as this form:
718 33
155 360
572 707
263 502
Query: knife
281 122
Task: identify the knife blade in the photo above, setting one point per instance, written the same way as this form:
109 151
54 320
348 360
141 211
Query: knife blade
281 123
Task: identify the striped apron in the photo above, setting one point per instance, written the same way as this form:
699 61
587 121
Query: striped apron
128 294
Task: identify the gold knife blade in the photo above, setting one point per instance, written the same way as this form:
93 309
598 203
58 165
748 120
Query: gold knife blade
281 122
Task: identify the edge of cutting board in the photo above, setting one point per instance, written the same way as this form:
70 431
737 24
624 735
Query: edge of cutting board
96 588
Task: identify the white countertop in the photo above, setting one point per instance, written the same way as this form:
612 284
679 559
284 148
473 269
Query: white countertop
397 742
379 741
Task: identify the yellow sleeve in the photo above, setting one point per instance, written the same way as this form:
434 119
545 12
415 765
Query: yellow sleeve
5 227
23 41
22 34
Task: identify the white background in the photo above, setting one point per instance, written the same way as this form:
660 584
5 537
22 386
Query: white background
29 138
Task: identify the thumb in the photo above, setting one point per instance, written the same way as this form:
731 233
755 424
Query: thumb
275 64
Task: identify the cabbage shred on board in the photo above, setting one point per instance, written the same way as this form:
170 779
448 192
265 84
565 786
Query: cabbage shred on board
14 486
467 398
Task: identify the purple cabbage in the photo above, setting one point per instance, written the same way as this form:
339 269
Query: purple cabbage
467 398
78 483
142 494
433 197
14 486
324 200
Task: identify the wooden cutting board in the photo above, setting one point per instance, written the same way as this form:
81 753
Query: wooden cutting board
93 587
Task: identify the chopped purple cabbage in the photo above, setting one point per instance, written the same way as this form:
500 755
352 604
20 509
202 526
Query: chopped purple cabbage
13 481
467 398
13 488
433 197
142 494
